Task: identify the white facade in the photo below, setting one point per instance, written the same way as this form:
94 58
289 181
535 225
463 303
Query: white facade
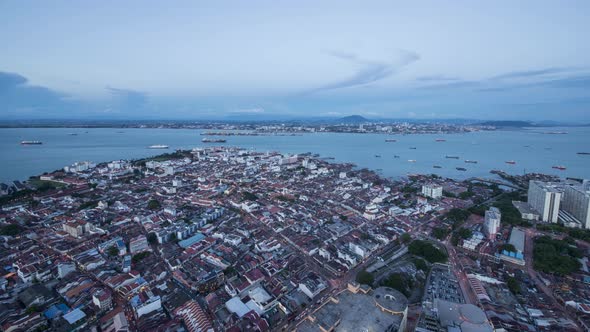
492 222
576 201
432 191
544 198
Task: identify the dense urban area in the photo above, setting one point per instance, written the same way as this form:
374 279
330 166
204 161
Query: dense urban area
228 239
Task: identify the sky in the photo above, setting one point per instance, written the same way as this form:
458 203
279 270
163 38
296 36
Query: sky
505 60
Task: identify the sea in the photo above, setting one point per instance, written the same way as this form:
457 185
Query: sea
532 150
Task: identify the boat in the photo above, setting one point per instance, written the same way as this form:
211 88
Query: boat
583 153
471 161
511 162
158 146
440 140
395 156
73 134
31 142
390 140
377 156
436 166
213 140
452 157
559 167
412 160
412 148
461 169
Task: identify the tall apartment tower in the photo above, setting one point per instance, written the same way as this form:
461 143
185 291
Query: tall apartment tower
576 201
492 223
545 197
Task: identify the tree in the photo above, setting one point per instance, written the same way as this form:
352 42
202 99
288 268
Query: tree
113 251
399 282
508 247
405 238
427 250
138 257
152 238
513 285
10 230
364 277
440 232
153 204
555 256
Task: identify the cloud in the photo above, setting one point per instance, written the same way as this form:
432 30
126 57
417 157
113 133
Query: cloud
370 71
437 78
531 73
257 110
127 99
16 94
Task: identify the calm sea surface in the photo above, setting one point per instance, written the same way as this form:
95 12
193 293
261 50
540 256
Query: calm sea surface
532 150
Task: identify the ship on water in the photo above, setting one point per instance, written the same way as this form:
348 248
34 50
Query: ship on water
377 156
559 167
390 140
436 166
440 140
452 157
461 169
213 140
411 160
583 153
158 146
511 162
471 161
31 142
412 148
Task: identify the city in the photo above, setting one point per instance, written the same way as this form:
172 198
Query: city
226 238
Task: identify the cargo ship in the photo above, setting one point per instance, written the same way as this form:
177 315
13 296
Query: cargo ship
213 140
377 156
559 167
471 161
31 142
461 169
584 153
395 156
411 160
158 146
452 157
436 166
511 162
440 140
412 148
390 140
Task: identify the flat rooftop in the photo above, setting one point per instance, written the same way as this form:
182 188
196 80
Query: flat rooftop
358 312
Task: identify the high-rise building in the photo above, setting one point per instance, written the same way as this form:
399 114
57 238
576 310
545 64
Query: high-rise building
544 197
492 222
432 190
576 201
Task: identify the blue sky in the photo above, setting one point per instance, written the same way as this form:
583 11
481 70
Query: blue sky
224 59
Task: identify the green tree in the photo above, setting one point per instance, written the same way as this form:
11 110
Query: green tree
513 285
10 230
426 250
152 238
113 251
153 204
405 238
364 277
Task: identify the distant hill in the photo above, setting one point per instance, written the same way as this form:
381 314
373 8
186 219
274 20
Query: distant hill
353 119
512 124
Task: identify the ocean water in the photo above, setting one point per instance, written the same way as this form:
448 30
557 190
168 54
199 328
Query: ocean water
531 149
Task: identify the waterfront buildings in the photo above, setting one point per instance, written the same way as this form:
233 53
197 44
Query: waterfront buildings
432 190
492 223
576 201
545 197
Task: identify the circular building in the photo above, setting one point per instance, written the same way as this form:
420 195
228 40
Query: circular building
390 300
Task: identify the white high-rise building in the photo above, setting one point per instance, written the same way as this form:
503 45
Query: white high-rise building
544 197
576 201
492 222
432 190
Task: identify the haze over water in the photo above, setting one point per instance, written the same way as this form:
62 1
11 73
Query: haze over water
532 150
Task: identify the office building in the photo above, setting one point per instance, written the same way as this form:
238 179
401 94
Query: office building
432 190
492 223
544 197
576 201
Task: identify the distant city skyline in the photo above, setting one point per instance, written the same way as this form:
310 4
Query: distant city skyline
499 60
